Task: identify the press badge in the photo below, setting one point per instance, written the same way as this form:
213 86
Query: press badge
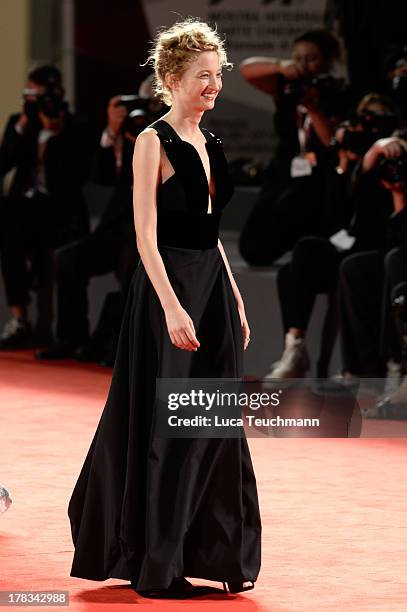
342 241
300 166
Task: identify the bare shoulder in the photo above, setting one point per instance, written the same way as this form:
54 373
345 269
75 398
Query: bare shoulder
147 148
148 139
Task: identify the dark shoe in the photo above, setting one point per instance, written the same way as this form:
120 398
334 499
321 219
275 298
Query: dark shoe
107 361
88 352
42 339
56 351
238 587
180 588
17 334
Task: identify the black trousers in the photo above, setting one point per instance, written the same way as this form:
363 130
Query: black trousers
27 241
369 334
395 266
108 250
313 269
286 210
28 236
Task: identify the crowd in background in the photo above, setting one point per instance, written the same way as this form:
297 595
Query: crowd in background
334 197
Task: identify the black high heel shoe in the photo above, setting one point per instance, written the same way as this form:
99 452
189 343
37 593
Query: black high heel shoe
238 587
180 588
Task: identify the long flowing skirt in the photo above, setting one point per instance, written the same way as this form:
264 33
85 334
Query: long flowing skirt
149 509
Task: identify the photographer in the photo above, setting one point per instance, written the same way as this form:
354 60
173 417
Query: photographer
112 246
367 278
397 78
309 101
49 150
315 260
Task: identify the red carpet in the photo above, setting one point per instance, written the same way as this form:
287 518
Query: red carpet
334 511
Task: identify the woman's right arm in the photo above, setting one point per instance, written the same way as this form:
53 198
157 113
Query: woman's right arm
146 172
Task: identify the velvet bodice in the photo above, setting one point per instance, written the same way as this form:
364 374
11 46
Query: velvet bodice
182 200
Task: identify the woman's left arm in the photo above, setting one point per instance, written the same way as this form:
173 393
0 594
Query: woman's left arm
238 298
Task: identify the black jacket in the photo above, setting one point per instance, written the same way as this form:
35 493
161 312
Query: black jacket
118 214
67 162
375 225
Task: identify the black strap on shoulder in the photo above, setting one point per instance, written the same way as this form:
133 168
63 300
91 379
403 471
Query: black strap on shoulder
168 135
211 137
165 131
168 138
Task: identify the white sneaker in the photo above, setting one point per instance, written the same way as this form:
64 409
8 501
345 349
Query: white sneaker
294 362
16 334
393 380
346 378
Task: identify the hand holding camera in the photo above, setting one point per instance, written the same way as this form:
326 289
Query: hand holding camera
116 114
384 148
390 147
23 121
290 69
44 108
127 114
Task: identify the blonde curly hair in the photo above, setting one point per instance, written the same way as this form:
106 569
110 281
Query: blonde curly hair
175 47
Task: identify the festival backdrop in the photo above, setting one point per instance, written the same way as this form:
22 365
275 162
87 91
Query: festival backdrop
243 115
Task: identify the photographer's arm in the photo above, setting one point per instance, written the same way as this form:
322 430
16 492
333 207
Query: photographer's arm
146 171
399 202
105 168
384 147
262 72
13 146
396 235
390 148
322 124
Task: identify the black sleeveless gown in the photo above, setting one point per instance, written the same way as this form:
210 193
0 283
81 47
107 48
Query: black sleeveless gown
150 509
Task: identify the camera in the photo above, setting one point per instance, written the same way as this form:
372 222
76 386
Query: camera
51 103
393 170
363 130
137 114
326 85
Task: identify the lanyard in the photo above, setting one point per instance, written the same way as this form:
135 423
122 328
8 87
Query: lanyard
304 126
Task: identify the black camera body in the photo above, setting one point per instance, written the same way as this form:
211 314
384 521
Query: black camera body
51 103
357 141
131 102
366 129
296 89
137 114
394 169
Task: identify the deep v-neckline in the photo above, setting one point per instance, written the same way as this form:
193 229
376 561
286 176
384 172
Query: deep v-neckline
211 173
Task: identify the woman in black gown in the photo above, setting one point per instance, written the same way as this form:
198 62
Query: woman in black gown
147 509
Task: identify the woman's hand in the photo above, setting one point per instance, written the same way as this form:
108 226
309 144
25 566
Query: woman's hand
245 326
181 328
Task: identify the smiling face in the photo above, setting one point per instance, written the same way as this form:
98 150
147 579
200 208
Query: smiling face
200 84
